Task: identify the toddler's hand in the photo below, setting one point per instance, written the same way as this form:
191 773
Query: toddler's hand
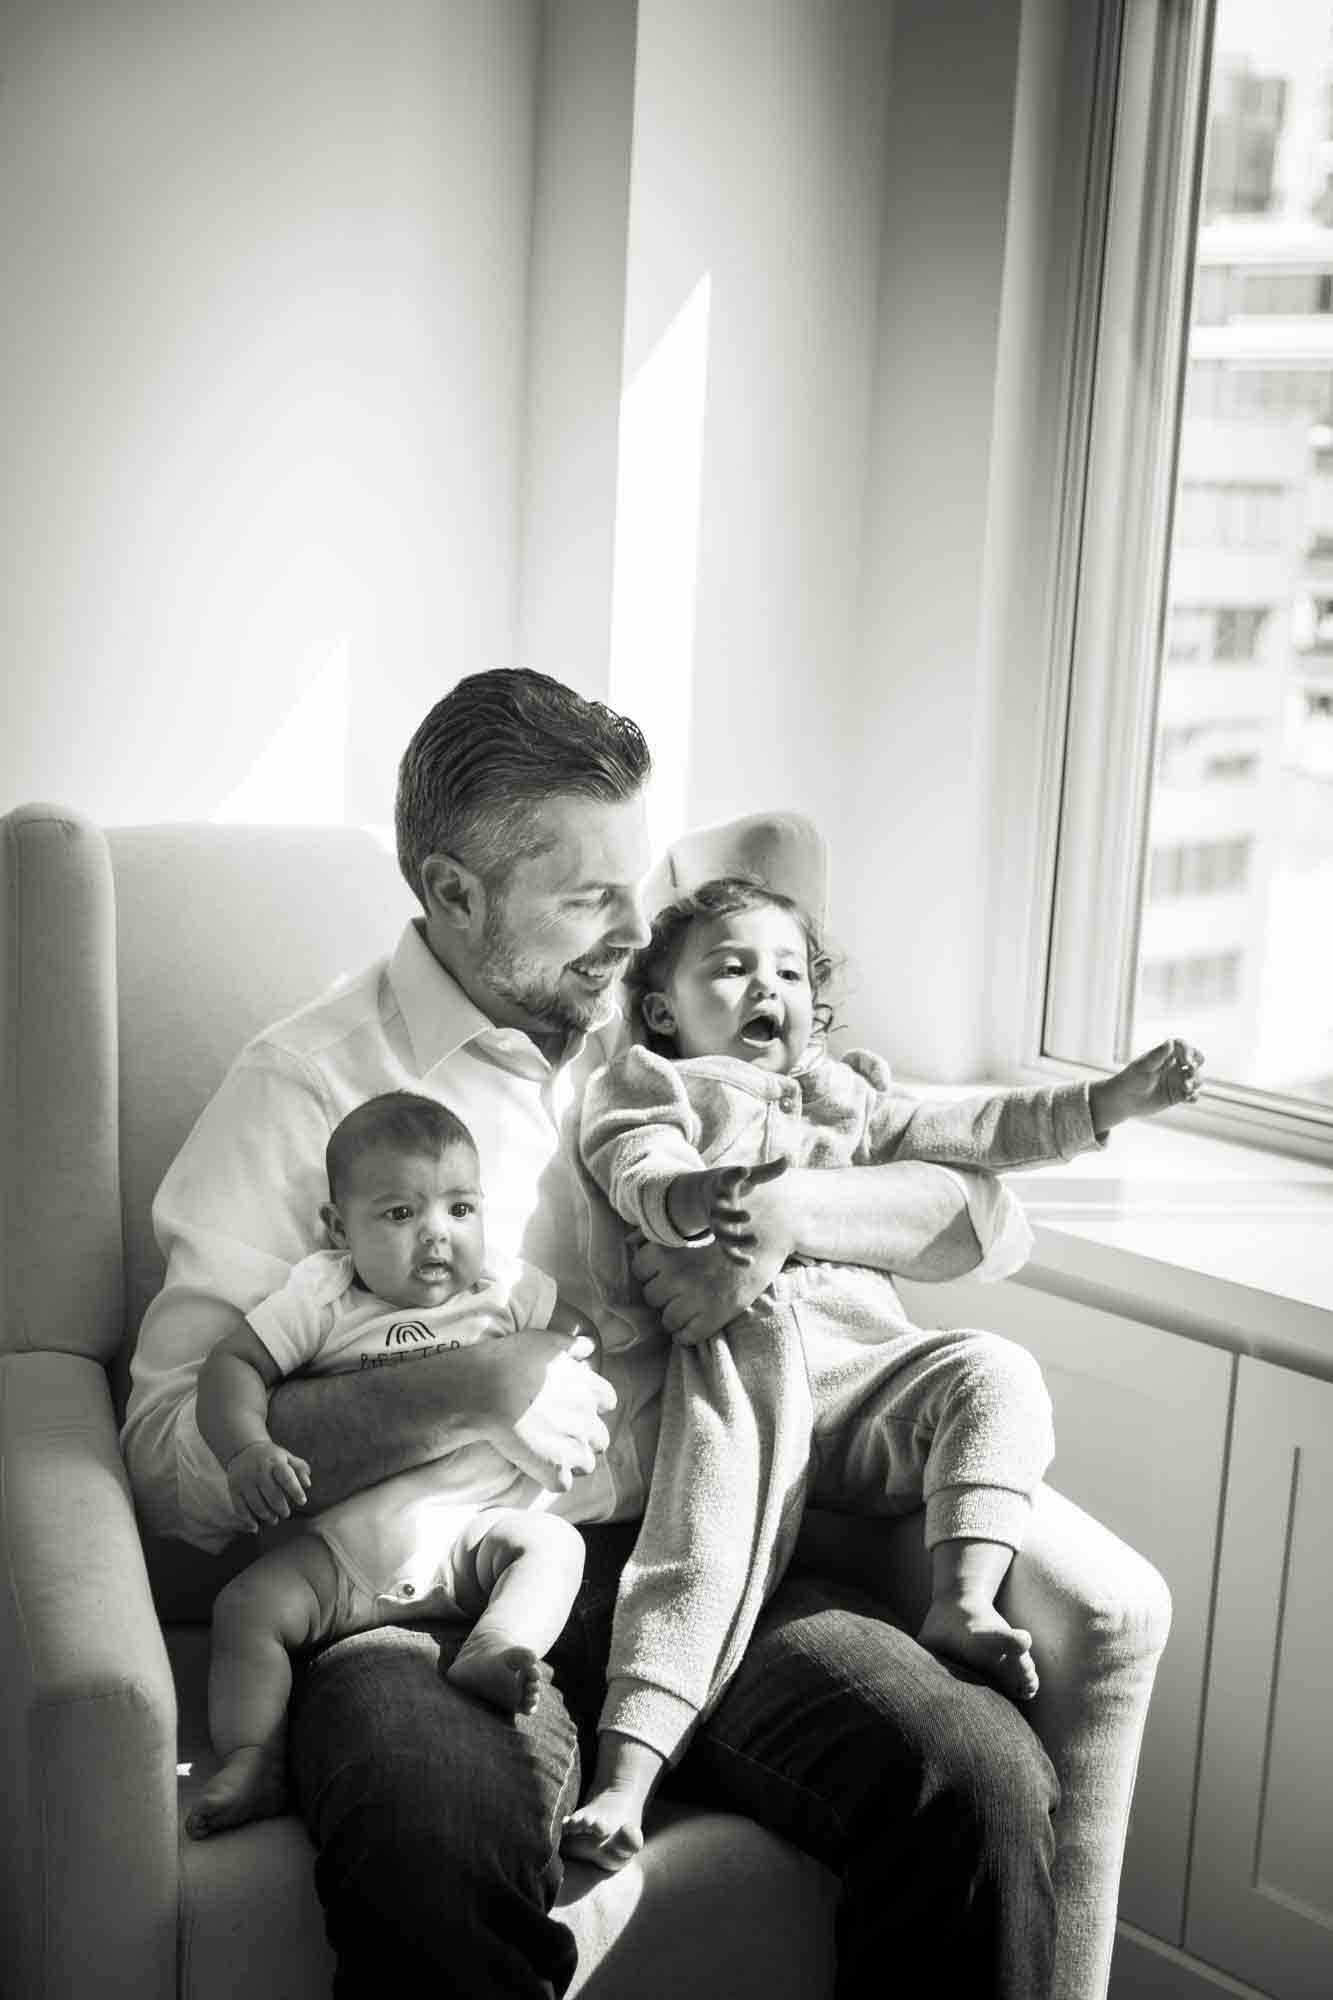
266 1482
1166 1075
714 1200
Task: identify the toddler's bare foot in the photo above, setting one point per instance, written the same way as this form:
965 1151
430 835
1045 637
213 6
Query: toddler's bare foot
252 1784
497 1671
606 1830
982 1639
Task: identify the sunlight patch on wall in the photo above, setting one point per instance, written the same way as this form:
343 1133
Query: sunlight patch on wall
299 777
656 562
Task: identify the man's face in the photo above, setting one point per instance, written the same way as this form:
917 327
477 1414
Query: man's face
559 930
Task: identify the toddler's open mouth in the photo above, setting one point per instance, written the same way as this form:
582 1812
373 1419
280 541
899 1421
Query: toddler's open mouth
761 1029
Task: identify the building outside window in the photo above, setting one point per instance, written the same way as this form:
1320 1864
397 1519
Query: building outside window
1220 755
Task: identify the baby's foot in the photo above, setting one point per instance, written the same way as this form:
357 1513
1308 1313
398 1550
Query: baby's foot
606 1830
252 1784
498 1672
985 1641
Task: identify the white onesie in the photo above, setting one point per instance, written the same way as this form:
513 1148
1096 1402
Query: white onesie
394 1544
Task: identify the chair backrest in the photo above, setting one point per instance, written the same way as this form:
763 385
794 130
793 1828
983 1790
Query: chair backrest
220 931
134 965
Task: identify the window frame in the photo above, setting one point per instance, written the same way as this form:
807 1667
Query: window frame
1144 162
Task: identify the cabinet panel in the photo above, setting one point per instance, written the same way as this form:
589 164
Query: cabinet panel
1140 1430
1261 1892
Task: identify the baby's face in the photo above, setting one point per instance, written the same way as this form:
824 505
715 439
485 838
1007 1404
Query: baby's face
741 987
413 1223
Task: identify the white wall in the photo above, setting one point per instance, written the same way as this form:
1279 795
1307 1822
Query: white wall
754 238
262 354
686 351
585 116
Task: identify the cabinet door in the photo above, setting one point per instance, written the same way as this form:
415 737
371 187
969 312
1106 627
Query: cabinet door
1261 1888
1140 1437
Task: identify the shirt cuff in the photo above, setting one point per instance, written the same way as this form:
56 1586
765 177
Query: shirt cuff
649 1714
656 1220
998 1223
1071 1117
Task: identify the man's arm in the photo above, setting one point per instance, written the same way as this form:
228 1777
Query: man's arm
527 1395
909 1218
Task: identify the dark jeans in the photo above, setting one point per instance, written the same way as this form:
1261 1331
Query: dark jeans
437 1822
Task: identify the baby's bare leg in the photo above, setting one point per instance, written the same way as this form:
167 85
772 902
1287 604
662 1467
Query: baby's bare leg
607 1829
283 1601
520 1573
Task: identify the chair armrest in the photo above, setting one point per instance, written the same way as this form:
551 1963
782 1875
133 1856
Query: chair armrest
88 1882
1099 1615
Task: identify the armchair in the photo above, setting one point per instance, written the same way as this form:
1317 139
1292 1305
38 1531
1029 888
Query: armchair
133 965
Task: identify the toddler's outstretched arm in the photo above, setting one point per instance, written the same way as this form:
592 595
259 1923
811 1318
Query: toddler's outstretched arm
713 1200
1166 1075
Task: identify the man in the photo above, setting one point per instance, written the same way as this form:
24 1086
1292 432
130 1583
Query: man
521 828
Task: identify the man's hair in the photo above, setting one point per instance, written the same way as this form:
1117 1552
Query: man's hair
490 753
398 1118
650 969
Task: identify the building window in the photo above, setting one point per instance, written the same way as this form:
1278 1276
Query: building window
1196 811
1199 868
1211 979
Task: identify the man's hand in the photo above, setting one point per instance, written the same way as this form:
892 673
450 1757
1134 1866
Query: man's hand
545 1414
713 1200
266 1482
1166 1075
697 1292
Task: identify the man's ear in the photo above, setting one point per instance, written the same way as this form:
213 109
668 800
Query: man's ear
657 1014
453 893
333 1222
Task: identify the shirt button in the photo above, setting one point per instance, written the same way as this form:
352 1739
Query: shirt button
789 1100
409 1590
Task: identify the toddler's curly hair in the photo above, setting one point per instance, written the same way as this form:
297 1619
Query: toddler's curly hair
651 967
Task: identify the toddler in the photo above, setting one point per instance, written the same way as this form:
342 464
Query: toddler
821 1391
407 1277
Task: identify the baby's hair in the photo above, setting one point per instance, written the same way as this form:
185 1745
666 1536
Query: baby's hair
651 968
399 1118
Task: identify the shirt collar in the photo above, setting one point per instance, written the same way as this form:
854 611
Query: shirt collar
440 1019
438 1016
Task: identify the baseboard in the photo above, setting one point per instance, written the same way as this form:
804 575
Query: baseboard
1143 1968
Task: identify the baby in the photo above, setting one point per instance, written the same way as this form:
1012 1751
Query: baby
462 1536
821 1391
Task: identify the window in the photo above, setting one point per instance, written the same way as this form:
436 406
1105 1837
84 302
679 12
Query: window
1195 748
1199 868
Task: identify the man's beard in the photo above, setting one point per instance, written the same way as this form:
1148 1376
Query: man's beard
536 990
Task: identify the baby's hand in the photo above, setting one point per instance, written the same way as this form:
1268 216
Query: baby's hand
1166 1075
714 1199
266 1482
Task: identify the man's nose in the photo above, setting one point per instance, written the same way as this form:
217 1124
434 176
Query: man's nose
630 928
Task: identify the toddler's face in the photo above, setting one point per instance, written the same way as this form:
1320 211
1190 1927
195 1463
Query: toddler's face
741 987
413 1223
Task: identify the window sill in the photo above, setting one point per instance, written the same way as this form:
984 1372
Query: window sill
1226 1243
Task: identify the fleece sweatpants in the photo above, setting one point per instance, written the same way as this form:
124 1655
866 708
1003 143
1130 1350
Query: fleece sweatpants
820 1394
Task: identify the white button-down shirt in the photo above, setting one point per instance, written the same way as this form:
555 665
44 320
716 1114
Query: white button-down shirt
240 1206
